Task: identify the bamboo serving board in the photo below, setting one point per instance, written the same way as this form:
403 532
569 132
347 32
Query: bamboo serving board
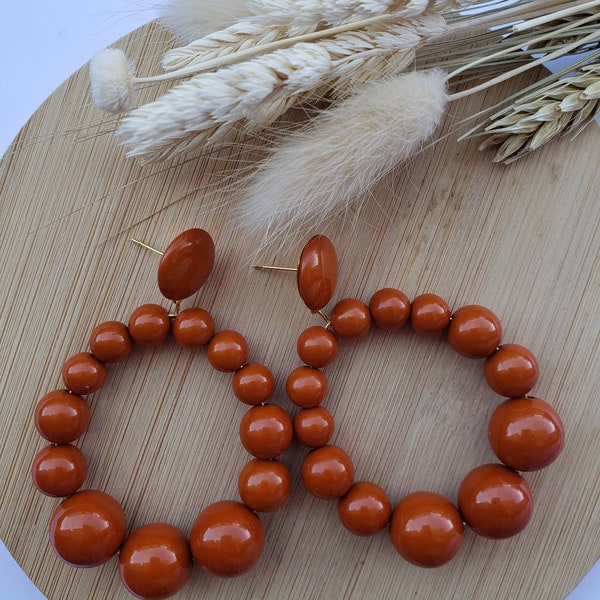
523 240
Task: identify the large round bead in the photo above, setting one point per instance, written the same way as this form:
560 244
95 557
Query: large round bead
61 417
511 371
317 272
266 431
474 331
110 342
317 346
264 485
365 509
327 472
59 470
83 373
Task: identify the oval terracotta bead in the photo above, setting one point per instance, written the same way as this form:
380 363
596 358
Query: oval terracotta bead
474 331
61 417
526 434
266 431
193 327
327 472
317 272
227 351
59 470
87 528
83 374
495 501
227 538
365 509
317 346
186 264
426 529
511 371
306 387
350 318
110 342
155 561
253 384
264 485
313 427
429 313
389 308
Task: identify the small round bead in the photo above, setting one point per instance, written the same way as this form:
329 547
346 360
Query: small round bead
227 538
389 308
495 501
475 331
253 384
313 427
59 470
193 327
264 485
110 342
87 528
426 529
61 417
350 318
526 434
327 472
511 371
317 272
83 373
227 351
266 431
306 387
149 324
317 346
365 509
429 314
155 561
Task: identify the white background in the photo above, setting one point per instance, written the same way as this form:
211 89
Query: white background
42 43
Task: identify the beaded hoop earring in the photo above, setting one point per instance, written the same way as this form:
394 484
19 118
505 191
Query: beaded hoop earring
89 526
525 433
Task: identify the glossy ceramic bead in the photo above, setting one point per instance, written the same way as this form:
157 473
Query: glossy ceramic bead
227 351
475 331
110 342
389 308
317 346
426 529
193 327
327 472
149 324
350 318
495 501
511 371
83 374
87 528
155 561
253 384
526 434
429 313
306 387
317 272
186 264
59 470
313 427
61 417
264 485
227 538
266 431
365 509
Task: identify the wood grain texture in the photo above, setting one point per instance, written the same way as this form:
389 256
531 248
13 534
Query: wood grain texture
522 240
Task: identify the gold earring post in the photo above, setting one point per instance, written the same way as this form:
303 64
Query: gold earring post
272 268
139 243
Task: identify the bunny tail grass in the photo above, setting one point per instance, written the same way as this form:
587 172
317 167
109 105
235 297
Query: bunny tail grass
111 77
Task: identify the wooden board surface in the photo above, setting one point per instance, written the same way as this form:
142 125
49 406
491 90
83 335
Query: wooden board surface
522 240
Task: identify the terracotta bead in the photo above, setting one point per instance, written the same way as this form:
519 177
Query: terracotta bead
227 351
327 472
511 371
475 331
429 314
317 346
526 434
87 528
227 538
365 509
306 387
317 272
110 342
253 384
61 417
149 324
155 561
266 431
495 501
389 308
264 485
426 529
313 426
83 374
350 318
186 264
193 327
59 470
